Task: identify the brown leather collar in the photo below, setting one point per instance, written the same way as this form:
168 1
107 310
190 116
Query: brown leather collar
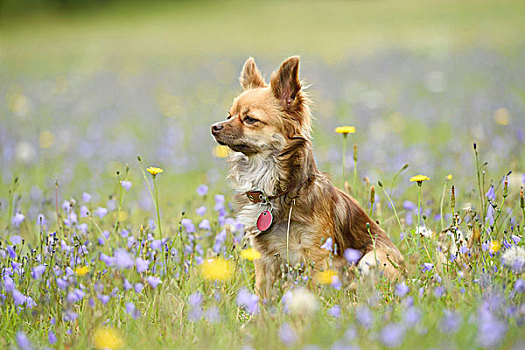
261 197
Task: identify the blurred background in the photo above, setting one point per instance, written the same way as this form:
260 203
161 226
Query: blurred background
86 86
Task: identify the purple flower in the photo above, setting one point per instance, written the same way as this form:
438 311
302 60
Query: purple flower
392 335
402 289
9 284
352 255
450 322
62 283
412 316
70 316
439 291
125 184
30 303
138 287
132 310
11 251
484 246
201 211
427 267
519 286
490 215
142 265
75 296
515 239
38 271
18 297
84 212
328 244
18 219
248 301
188 225
108 260
212 314
490 329
127 285
16 239
195 301
104 299
335 311
287 334
23 341
490 193
123 260
463 249
51 337
153 281
101 212
202 190
364 316
219 199
86 197
205 225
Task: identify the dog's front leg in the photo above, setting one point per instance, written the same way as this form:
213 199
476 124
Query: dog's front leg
266 273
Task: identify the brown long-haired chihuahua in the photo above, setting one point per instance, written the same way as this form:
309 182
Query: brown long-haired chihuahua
289 208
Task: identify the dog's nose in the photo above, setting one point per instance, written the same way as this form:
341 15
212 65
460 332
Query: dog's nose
215 128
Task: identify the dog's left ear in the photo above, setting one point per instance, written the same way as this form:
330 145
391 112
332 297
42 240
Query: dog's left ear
285 83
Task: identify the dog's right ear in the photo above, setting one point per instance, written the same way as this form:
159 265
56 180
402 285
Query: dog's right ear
251 77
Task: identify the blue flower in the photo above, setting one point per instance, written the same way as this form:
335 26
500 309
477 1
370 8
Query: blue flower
352 255
125 184
153 281
101 212
335 311
450 322
328 244
38 271
248 301
402 289
202 190
364 316
123 260
392 335
427 267
201 211
132 310
51 337
86 197
142 265
23 341
188 225
287 334
205 225
490 193
18 219
138 287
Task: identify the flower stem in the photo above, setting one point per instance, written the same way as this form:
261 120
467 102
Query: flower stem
344 160
158 223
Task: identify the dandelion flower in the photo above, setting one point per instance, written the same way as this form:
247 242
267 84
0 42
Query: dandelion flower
494 246
250 254
419 179
301 302
449 177
107 338
154 170
345 130
82 270
514 259
326 277
217 269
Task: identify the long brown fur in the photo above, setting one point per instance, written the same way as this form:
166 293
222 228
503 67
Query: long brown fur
268 128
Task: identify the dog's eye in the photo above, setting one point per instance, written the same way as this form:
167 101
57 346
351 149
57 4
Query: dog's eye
250 120
229 116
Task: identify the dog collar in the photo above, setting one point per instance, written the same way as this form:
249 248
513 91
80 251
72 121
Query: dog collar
257 196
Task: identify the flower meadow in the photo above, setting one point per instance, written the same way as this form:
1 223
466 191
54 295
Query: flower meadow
85 275
117 226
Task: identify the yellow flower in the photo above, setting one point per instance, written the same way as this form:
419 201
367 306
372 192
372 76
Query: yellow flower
107 338
217 269
154 170
326 277
221 151
449 177
250 254
345 130
494 246
82 271
419 178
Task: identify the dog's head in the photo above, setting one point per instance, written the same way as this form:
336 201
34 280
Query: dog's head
266 117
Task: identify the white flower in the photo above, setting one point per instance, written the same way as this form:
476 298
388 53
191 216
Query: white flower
301 302
424 232
514 258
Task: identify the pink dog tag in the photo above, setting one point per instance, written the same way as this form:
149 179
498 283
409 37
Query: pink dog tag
264 221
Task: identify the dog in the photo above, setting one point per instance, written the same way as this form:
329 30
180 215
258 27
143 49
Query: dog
287 206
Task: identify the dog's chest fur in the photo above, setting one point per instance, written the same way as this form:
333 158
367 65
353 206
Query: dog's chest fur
262 174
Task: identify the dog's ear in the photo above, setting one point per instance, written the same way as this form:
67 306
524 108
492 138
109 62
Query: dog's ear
285 83
251 77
